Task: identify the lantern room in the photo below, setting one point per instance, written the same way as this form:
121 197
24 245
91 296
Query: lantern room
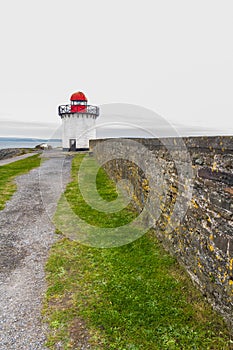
78 102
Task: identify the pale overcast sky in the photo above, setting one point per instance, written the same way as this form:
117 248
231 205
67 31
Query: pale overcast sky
172 57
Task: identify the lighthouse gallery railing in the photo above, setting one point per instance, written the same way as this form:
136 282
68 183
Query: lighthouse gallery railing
66 109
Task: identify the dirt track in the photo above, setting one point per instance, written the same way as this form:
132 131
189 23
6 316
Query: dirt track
26 234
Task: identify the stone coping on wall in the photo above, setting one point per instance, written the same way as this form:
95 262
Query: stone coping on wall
205 143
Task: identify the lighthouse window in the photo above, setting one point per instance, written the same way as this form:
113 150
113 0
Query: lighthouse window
80 103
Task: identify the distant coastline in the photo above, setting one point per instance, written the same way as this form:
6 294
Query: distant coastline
19 142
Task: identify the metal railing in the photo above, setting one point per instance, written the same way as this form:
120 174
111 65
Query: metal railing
66 109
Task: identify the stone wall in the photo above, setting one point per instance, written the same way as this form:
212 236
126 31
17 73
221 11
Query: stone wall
202 237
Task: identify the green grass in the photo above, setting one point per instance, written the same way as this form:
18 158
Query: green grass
79 220
10 171
131 297
108 192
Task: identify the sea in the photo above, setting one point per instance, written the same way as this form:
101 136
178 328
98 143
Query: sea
14 142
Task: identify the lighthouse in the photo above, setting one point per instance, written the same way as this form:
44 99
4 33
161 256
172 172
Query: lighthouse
78 123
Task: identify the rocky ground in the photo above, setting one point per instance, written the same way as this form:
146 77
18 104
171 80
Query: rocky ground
26 234
6 153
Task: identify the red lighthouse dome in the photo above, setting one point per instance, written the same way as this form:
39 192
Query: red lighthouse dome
78 96
78 102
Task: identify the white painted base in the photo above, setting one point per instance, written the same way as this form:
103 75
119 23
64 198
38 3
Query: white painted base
78 126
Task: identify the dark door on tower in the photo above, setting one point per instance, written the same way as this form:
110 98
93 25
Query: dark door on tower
72 145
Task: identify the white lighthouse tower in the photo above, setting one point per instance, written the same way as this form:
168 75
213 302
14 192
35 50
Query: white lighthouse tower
78 123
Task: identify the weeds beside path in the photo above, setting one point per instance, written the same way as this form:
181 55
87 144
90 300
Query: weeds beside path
8 173
131 297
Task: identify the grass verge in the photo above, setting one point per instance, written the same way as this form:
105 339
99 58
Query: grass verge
10 171
132 297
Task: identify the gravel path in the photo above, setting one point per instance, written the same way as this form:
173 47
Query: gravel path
26 234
